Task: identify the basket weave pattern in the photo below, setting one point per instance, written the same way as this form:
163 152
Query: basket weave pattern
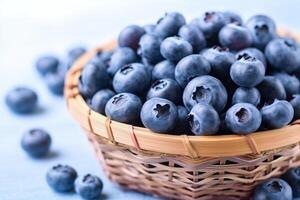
182 167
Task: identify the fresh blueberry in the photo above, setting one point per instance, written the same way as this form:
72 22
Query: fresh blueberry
247 71
220 60
205 89
133 78
290 83
270 89
277 114
166 89
36 142
273 189
175 48
76 52
100 99
246 95
190 67
159 115
182 125
124 107
295 101
232 17
22 100
102 58
163 69
121 57
149 28
169 25
47 64
235 37
204 119
130 36
283 54
149 48
263 30
243 118
61 178
292 177
253 52
194 36
149 67
55 82
89 187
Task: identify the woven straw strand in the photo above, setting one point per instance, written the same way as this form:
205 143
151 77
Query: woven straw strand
109 131
252 144
189 147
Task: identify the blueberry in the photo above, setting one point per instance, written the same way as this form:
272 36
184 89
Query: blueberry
121 57
205 89
76 52
247 71
220 60
292 177
243 118
159 115
204 119
132 78
235 37
277 114
290 83
36 142
47 64
150 48
166 89
100 99
246 95
253 52
124 107
22 100
61 178
283 54
194 36
263 30
232 17
163 69
273 189
130 36
175 48
102 58
295 101
169 25
182 125
149 28
271 88
55 82
190 67
89 187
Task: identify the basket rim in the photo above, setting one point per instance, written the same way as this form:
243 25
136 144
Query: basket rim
193 146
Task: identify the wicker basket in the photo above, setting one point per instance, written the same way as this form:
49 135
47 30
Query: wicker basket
182 167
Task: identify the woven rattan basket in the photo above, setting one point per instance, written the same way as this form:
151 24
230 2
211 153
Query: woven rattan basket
182 167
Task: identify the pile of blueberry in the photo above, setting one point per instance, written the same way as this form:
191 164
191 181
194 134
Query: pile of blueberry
215 74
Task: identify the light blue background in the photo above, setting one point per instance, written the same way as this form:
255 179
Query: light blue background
28 28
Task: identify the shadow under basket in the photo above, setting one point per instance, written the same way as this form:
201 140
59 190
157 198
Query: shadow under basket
182 167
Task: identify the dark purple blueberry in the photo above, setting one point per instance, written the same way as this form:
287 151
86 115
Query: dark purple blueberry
89 187
235 37
55 82
130 36
100 99
149 48
175 48
295 101
292 177
190 67
182 124
253 52
246 95
232 17
243 118
163 69
47 64
159 115
290 83
204 119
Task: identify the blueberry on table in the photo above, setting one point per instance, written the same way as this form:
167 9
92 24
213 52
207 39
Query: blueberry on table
295 101
205 89
243 118
130 36
182 124
232 17
75 52
169 25
247 71
22 100
246 95
100 99
61 178
163 69
36 142
190 67
124 107
47 64
149 48
55 82
278 114
290 83
292 177
159 115
253 52
263 30
89 187
166 89
273 189
204 119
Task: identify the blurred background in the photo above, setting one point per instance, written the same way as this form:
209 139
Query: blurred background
34 27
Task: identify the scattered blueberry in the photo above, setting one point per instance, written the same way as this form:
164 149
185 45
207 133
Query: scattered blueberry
55 82
232 17
295 101
292 177
163 69
47 64
76 52
100 99
290 83
89 187
253 52
149 48
246 95
130 36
